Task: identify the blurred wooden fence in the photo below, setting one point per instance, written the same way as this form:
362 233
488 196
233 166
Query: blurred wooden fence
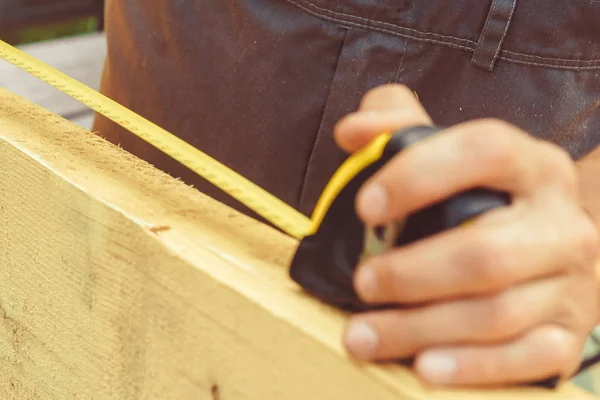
33 20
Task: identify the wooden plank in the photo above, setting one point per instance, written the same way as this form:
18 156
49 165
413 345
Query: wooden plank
81 57
120 282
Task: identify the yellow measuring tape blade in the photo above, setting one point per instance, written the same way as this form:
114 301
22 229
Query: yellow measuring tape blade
262 202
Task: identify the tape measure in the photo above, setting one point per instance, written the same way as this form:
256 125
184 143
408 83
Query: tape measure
262 202
334 241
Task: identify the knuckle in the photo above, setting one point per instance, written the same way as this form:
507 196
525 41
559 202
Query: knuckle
560 349
405 181
561 358
397 89
586 241
488 370
392 282
580 308
385 280
503 316
496 125
492 143
491 262
378 95
559 167
413 188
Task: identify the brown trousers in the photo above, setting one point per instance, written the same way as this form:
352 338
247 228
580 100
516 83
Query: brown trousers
259 84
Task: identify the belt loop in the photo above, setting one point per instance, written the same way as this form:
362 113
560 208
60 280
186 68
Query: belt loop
493 33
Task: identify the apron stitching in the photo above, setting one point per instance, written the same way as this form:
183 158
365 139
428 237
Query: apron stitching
568 67
512 11
483 35
516 60
483 56
307 5
378 29
550 59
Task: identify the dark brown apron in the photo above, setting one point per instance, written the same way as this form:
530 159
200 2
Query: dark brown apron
259 84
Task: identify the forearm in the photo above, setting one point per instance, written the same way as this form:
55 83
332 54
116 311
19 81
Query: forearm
589 175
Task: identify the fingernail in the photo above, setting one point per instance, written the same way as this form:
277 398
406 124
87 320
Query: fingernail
436 367
366 283
361 340
373 202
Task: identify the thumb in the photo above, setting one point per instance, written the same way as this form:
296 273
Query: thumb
383 109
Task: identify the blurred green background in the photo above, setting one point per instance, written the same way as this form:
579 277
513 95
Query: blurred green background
50 31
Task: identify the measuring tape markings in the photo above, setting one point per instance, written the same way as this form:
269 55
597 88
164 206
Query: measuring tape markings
262 202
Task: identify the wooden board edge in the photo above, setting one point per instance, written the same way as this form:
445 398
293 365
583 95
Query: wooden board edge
197 225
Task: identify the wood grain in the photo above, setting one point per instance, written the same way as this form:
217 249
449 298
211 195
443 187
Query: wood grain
120 282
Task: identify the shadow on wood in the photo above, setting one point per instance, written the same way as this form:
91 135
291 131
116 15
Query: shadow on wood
120 282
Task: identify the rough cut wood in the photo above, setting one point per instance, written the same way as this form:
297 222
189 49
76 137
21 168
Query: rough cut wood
120 282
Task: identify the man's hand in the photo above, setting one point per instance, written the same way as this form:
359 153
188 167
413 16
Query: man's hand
509 298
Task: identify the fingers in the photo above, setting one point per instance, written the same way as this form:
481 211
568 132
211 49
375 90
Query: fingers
476 259
399 333
384 109
487 300
542 353
484 153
